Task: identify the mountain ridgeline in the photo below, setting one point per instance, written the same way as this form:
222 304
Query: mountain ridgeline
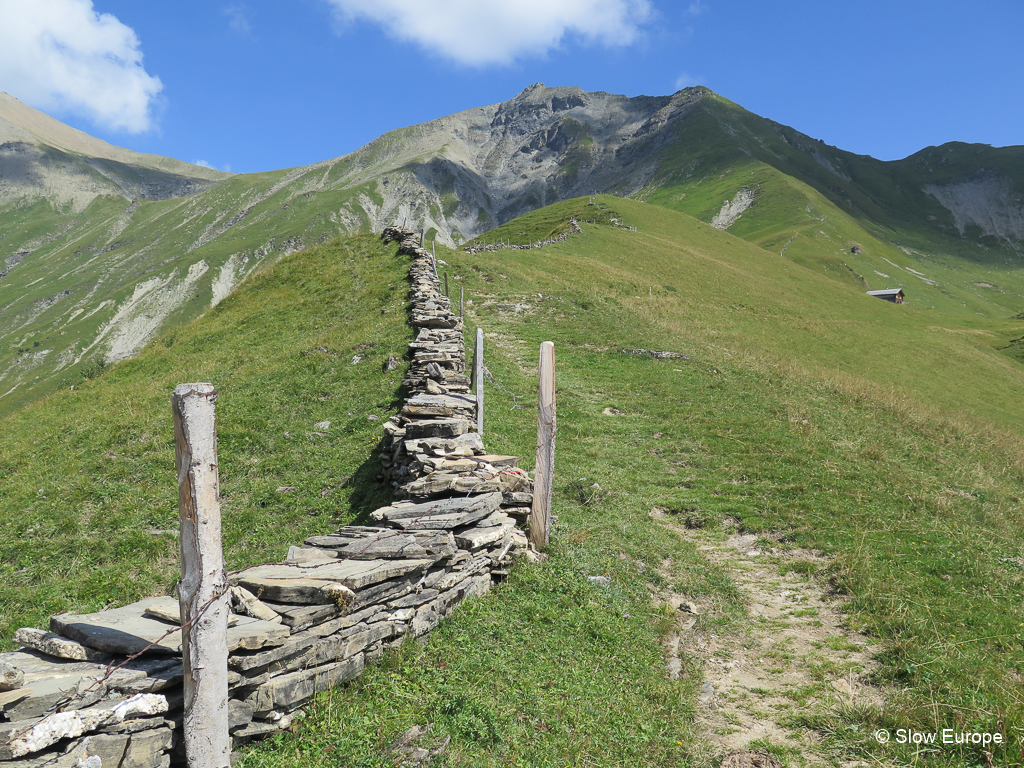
103 249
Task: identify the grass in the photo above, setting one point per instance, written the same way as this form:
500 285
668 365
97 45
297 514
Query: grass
88 472
918 517
780 419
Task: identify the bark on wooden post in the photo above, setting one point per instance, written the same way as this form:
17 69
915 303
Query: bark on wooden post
540 514
203 591
478 378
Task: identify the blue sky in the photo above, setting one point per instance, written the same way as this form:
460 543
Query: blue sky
254 85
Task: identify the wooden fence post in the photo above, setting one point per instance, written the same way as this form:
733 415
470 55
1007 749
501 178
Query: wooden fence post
478 378
446 283
203 591
462 301
540 514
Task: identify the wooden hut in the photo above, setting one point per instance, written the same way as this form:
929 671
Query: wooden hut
895 295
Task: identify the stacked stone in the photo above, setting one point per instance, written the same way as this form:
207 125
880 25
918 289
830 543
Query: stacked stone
574 229
431 449
296 628
71 697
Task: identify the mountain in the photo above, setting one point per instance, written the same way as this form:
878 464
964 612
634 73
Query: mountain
104 248
42 157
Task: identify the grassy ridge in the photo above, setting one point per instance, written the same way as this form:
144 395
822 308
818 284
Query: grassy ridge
784 419
88 471
919 514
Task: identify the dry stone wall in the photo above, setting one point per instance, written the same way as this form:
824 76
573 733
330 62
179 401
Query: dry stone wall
104 690
574 229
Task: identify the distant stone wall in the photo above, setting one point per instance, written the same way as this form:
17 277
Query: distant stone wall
104 690
574 229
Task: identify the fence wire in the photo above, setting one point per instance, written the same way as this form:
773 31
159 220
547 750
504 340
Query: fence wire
490 377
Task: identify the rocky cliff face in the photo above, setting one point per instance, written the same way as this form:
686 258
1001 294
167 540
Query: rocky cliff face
468 172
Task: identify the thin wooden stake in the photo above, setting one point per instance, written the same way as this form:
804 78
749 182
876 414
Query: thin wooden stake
203 591
540 514
462 301
446 283
478 377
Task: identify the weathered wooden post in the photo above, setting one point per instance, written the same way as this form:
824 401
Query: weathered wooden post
462 301
203 591
540 514
478 378
446 283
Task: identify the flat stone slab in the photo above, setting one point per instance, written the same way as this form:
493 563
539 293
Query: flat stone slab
293 690
475 538
168 609
444 484
299 590
430 411
498 460
385 544
46 681
72 724
353 574
518 498
496 518
128 631
301 617
472 508
59 647
443 401
437 428
469 444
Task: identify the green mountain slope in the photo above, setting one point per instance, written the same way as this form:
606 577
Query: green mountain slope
947 221
85 473
104 248
884 437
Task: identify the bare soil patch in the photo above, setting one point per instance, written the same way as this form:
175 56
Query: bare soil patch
791 653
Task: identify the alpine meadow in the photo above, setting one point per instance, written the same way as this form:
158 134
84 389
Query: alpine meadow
787 514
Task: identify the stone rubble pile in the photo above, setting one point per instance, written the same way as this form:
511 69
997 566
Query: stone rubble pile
70 697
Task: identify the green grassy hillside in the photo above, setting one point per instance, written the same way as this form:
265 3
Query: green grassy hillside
92 270
87 473
102 282
886 437
856 219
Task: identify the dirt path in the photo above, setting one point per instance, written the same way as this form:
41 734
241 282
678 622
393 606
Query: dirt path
792 654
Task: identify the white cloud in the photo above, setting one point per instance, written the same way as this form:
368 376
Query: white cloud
696 8
685 80
208 164
238 19
480 32
62 55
